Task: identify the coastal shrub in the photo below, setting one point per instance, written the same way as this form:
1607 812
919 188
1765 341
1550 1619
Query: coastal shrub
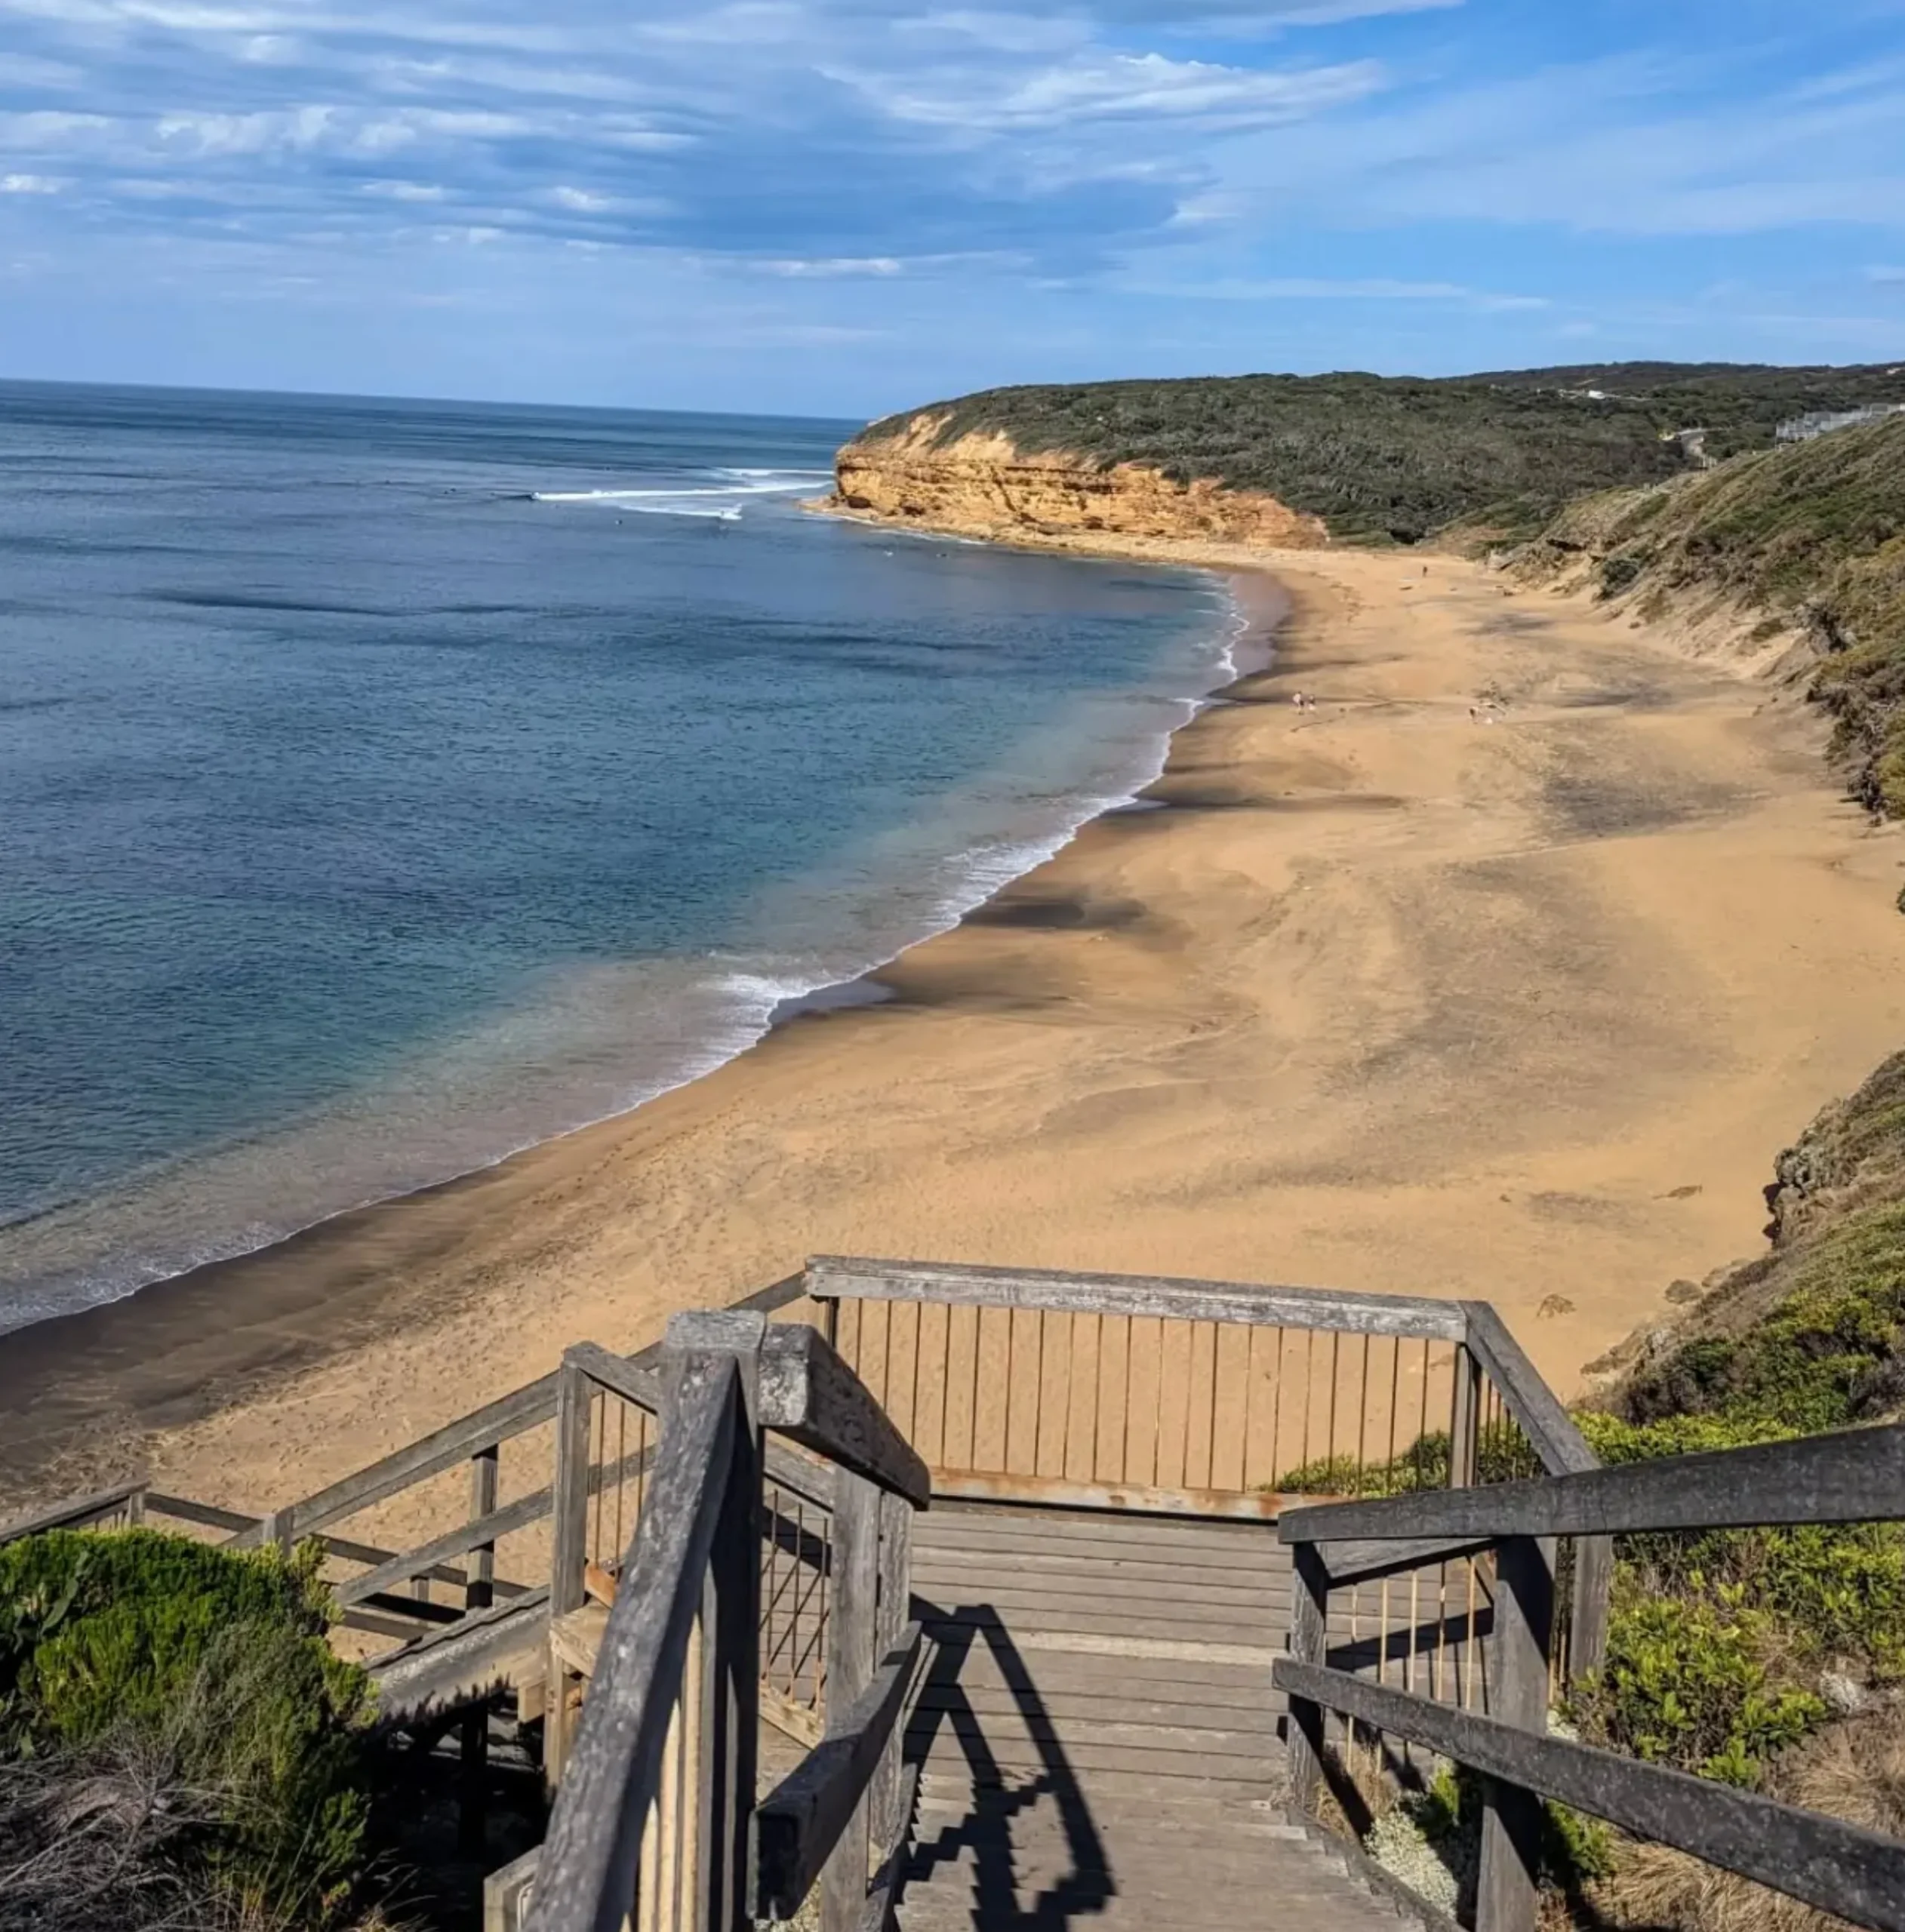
1503 1454
1687 1683
210 1668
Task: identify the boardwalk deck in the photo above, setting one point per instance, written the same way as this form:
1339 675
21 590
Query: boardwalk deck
1098 1731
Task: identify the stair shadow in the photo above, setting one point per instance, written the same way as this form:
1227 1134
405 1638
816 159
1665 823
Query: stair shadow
986 1830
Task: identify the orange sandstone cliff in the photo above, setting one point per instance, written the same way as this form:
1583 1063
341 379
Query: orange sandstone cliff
980 485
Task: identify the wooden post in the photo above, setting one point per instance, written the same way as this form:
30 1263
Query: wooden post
569 1535
1310 1600
1463 1439
1517 1655
852 1614
730 1622
1587 1628
479 1576
891 1616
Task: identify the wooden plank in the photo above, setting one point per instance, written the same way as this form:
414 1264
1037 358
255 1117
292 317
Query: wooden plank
426 1558
808 1393
595 1834
1857 1475
987 1486
799 1824
473 1653
569 1538
508 1415
1508 1881
831 1276
731 1622
75 1512
852 1609
635 1381
456 1442
1534 1405
1369 1561
800 1722
1307 1641
1593 1590
892 1617
964 1525
883 1894
1822 1861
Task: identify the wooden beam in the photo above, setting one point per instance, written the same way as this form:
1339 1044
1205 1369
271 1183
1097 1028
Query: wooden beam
1853 1476
808 1393
635 1380
587 1875
892 1614
833 1276
1508 1878
1822 1861
1369 1561
799 1824
455 1442
426 1558
1562 1448
1308 1639
853 1610
75 1512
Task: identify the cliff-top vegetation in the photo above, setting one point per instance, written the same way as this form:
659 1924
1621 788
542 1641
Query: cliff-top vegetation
1402 458
1812 536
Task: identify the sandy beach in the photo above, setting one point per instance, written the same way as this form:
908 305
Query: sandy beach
1504 972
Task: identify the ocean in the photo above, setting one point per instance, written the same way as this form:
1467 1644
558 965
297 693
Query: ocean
386 786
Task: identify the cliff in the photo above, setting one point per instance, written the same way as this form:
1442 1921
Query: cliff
1281 459
980 484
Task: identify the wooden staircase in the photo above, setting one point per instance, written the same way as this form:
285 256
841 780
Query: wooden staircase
1099 1734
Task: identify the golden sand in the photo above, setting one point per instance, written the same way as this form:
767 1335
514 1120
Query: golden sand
1504 972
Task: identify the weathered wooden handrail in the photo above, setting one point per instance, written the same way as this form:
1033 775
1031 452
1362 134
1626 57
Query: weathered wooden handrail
586 1878
665 1744
799 1824
1822 1861
1857 1475
833 1277
1853 1476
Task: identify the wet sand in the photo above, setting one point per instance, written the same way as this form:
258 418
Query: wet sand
1377 995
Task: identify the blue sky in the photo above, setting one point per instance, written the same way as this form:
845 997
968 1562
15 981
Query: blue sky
844 206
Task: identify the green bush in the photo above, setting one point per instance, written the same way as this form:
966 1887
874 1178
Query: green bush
1502 1454
216 1659
1686 1683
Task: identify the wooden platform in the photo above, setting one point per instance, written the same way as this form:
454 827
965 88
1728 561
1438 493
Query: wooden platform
1099 1736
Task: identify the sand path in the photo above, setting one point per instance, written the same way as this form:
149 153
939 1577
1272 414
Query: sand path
1380 996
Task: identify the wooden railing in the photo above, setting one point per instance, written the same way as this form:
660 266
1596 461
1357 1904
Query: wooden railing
1838 1868
655 1821
1212 1398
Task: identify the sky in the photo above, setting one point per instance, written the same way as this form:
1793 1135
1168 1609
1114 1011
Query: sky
840 207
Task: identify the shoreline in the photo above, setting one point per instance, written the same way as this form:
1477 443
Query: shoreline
181 1346
1370 997
974 883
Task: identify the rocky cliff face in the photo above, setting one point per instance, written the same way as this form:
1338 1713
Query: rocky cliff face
981 485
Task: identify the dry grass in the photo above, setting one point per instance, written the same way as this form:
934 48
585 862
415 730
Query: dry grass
1856 1771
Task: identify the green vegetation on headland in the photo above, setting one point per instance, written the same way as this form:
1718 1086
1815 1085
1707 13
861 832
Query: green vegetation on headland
1403 457
1809 535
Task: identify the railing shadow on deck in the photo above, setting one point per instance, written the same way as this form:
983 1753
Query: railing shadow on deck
986 1831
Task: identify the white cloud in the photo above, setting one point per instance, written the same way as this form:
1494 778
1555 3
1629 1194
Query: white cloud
29 184
835 266
1098 86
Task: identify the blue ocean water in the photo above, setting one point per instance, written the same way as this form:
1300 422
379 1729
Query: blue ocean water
386 785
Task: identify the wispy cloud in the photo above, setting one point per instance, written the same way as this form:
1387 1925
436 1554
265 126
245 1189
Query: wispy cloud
1224 180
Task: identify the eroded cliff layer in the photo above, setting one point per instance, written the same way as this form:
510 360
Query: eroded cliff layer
981 484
